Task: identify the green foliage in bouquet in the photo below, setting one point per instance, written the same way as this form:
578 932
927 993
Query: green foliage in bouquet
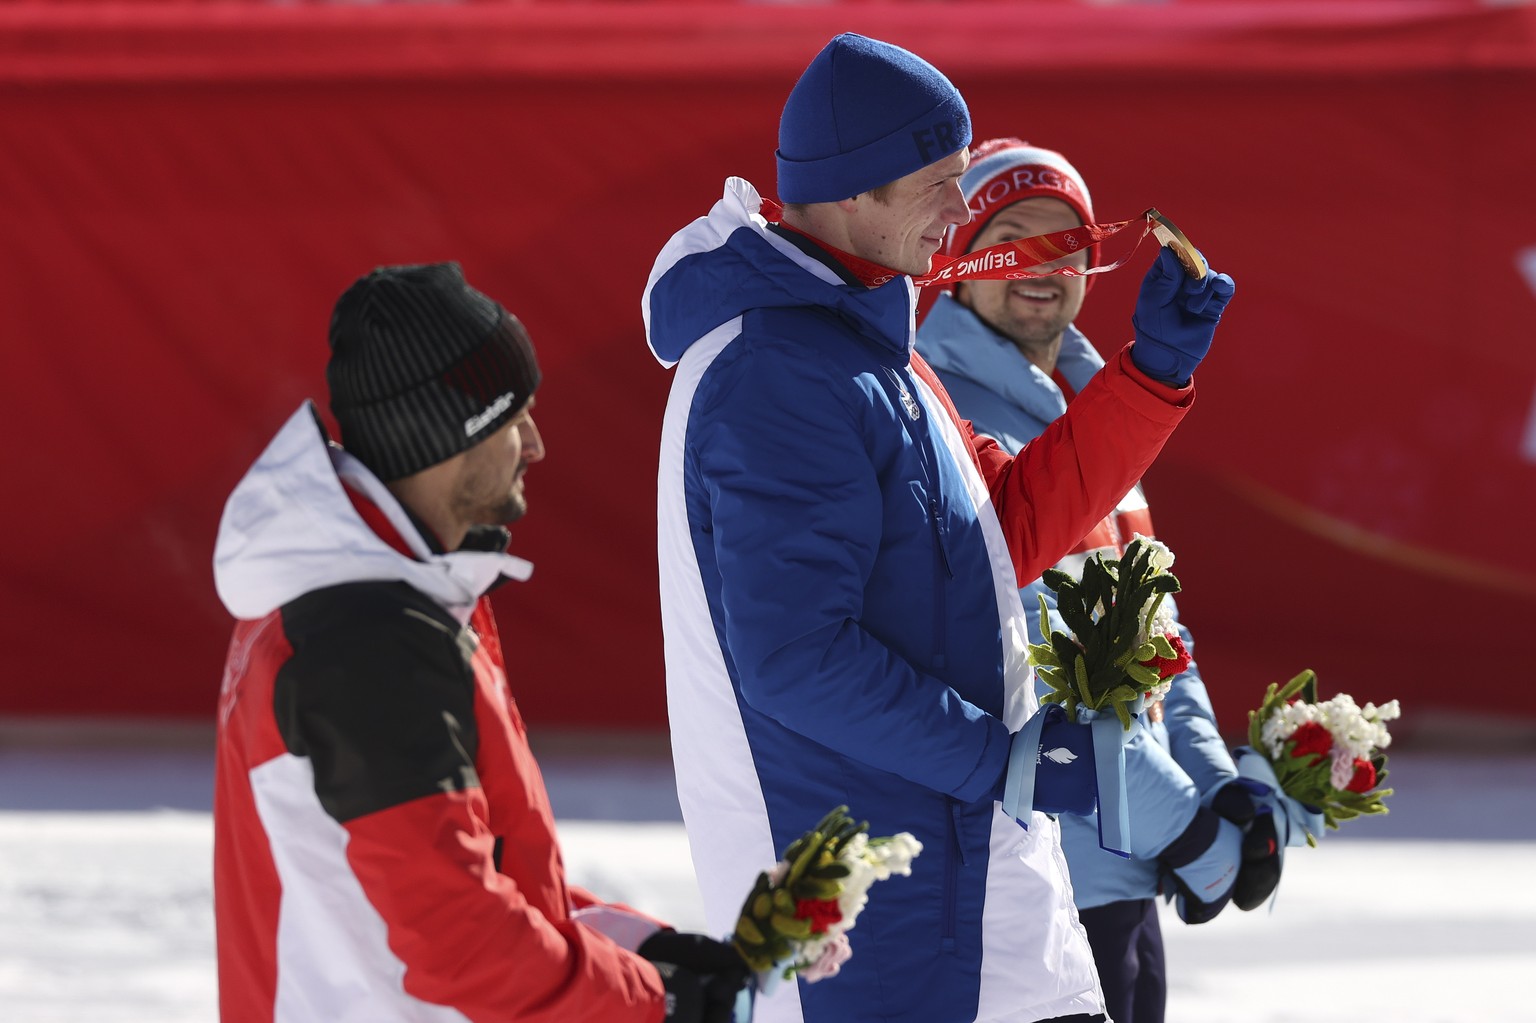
769 931
1302 762
1099 664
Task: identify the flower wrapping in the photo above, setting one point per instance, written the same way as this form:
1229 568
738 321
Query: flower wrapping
796 918
1324 756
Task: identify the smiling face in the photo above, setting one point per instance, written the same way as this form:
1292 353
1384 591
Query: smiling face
901 225
1030 313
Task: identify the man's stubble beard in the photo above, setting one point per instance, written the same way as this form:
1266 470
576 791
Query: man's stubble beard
506 510
1032 336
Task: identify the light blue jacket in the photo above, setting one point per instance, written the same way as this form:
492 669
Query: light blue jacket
1172 765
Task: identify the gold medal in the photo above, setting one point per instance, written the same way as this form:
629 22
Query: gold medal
1168 233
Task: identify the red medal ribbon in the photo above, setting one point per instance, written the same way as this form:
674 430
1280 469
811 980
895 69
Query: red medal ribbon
1013 261
1005 261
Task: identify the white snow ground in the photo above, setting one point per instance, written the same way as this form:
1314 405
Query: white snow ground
1427 915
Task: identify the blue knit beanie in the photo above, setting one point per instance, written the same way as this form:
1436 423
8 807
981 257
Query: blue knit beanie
863 114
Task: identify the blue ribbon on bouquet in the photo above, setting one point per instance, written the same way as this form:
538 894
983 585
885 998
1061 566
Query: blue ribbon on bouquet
1109 740
1293 819
1072 789
762 983
1023 755
746 1001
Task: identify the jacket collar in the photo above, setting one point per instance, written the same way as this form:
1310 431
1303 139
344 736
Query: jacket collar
290 527
955 340
730 262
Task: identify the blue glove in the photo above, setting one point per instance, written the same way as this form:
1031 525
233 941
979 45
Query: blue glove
1064 779
1175 319
1204 863
1062 754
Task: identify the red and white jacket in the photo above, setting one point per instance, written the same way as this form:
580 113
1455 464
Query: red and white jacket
384 847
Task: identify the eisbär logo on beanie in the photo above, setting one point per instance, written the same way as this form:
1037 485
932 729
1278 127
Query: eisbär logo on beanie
863 114
423 367
480 420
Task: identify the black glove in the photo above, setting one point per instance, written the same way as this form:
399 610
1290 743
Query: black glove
1234 801
702 976
1202 864
1259 873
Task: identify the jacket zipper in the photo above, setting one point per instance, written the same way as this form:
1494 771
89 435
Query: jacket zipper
952 865
938 536
928 459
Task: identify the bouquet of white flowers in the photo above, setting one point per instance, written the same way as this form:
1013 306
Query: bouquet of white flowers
1325 756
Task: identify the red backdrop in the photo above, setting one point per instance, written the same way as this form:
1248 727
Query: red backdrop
187 188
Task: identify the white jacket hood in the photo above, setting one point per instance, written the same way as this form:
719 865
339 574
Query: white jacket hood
289 528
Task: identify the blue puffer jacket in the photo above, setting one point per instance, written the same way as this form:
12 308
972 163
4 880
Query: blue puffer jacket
839 560
1171 765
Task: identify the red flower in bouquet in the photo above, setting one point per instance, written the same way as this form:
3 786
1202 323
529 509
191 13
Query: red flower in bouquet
822 913
1311 739
1167 667
1364 778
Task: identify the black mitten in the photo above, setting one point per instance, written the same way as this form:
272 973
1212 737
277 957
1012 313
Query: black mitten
1203 864
685 994
1259 872
1234 801
702 976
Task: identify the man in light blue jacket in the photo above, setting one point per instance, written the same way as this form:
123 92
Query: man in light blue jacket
1010 357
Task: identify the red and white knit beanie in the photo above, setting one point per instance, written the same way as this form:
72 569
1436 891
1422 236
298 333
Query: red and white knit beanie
1004 171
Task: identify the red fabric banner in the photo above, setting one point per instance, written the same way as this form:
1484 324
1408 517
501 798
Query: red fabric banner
189 187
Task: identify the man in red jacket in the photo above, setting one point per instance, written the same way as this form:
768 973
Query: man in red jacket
384 846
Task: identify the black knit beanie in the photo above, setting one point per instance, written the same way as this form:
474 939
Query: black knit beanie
422 367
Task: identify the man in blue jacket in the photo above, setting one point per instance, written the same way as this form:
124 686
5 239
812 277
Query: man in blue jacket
839 553
1010 356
